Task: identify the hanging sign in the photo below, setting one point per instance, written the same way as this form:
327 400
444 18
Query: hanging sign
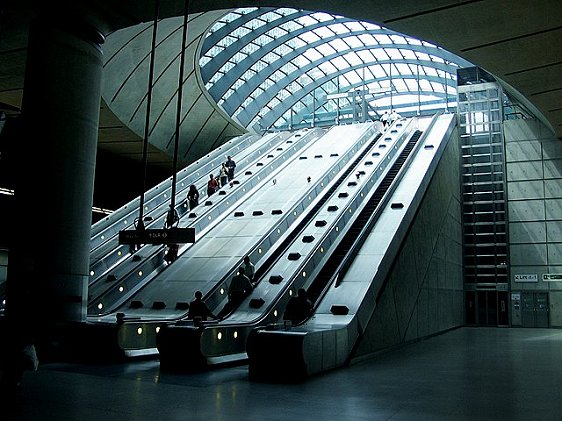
157 236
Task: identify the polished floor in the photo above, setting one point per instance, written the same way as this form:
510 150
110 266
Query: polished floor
465 374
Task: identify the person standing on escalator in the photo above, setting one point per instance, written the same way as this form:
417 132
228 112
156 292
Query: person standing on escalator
212 185
230 166
192 197
172 221
223 175
198 309
240 287
249 268
172 218
298 308
384 119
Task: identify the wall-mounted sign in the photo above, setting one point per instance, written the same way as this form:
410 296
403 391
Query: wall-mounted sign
526 278
552 277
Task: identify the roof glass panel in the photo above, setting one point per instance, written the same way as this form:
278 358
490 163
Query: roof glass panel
412 84
249 48
436 59
339 45
226 41
307 20
276 32
430 71
270 16
270 57
370 26
354 77
378 71
204 60
380 54
382 39
340 63
290 26
326 49
283 50
241 31
291 66
298 43
408 54
354 26
231 17
353 42
263 40
365 55
238 57
413 41
368 40
312 54
300 61
323 32
425 85
285 11
339 28
398 39
399 85
394 53
327 67
353 59
216 27
322 17
309 37
404 69
437 87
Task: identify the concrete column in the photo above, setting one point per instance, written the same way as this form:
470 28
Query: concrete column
49 256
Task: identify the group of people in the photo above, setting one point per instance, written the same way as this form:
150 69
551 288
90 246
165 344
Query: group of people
172 221
241 285
388 119
226 174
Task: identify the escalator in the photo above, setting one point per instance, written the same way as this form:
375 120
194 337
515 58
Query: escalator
346 289
186 345
161 299
330 269
128 277
106 253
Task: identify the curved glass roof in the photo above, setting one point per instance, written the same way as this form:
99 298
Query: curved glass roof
278 68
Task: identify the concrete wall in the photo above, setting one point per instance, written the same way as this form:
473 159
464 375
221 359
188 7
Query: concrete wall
3 264
424 291
534 177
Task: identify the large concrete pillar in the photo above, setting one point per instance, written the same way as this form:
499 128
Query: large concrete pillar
49 255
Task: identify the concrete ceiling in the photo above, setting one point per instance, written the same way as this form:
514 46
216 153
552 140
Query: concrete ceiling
519 41
203 125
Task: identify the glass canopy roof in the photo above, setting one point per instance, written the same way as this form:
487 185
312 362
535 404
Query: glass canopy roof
287 68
